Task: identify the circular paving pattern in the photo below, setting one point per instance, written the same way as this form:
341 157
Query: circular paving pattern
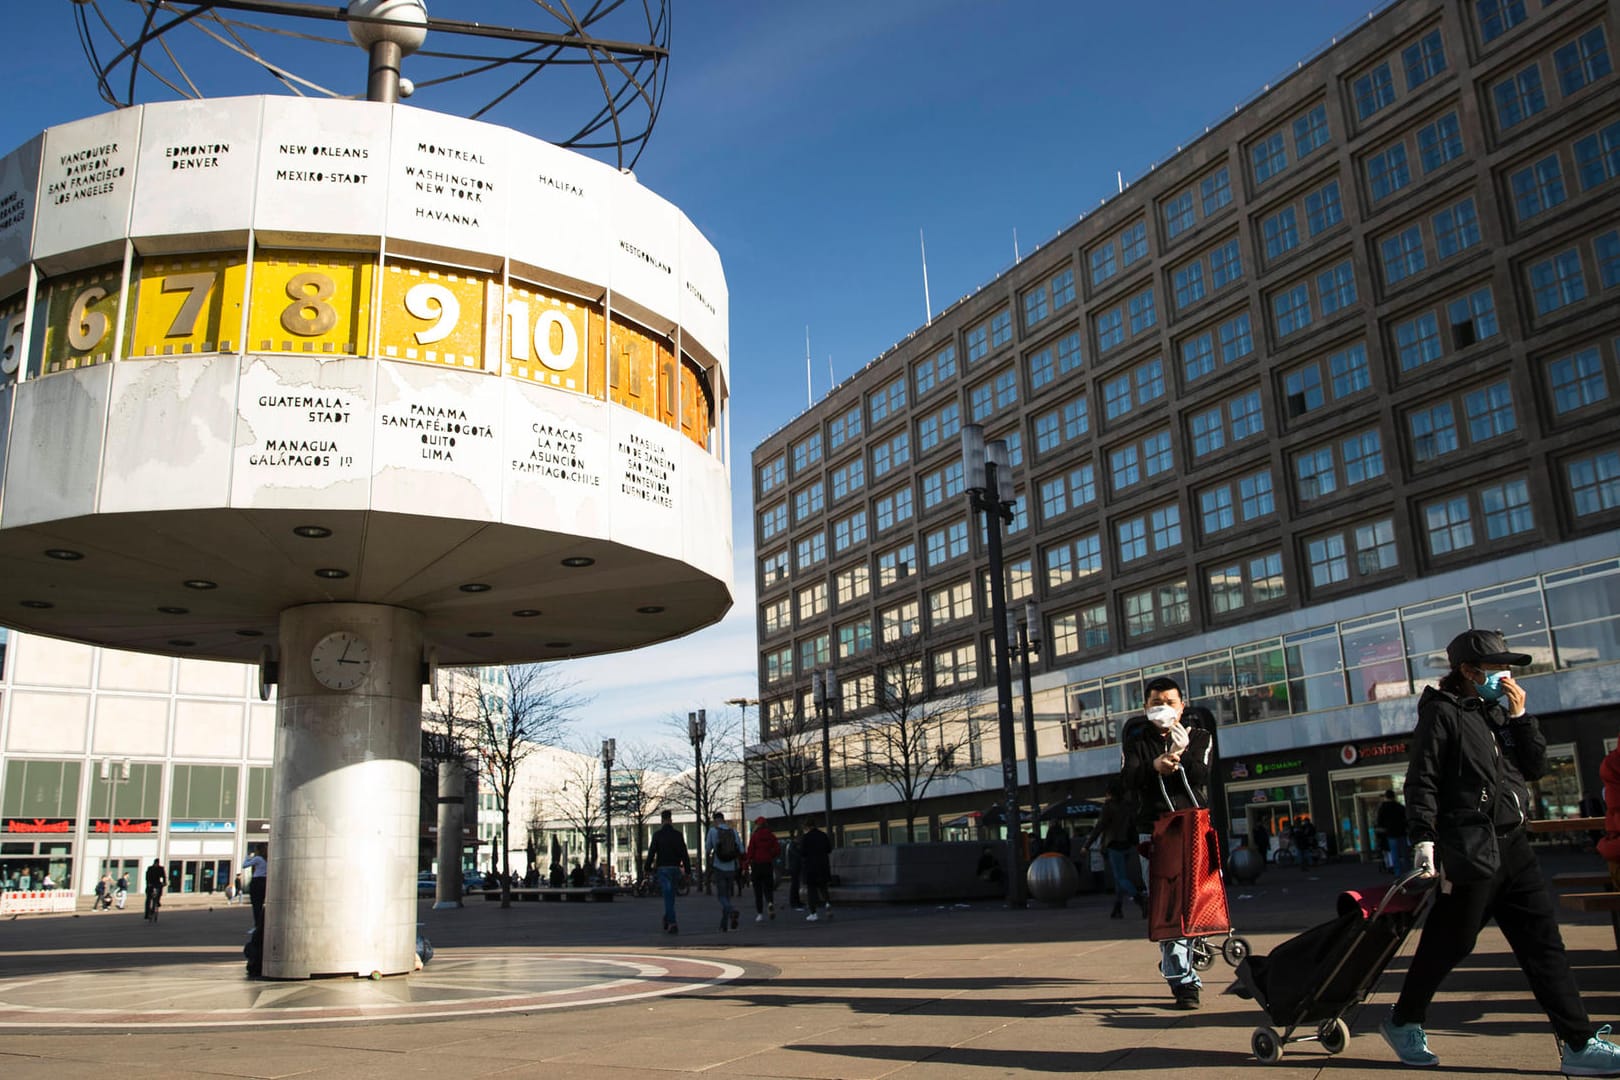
214 993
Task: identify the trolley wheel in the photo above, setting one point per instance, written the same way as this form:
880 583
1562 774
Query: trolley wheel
1266 1045
1334 1035
1236 950
1202 956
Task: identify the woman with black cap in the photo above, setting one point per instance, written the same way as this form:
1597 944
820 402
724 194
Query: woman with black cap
1474 749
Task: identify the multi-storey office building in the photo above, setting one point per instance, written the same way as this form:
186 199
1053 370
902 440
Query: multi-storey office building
1334 382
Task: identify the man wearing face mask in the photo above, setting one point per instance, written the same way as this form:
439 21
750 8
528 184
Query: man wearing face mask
1475 747
1153 751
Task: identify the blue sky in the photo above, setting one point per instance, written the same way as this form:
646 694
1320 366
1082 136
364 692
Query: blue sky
810 142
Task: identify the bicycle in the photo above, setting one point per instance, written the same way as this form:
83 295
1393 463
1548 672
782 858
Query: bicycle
154 901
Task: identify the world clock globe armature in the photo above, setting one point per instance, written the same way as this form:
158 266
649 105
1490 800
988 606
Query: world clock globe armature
343 387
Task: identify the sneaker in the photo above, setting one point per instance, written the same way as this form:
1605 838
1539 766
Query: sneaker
759 918
674 929
1411 1045
1599 1057
812 917
771 907
1187 997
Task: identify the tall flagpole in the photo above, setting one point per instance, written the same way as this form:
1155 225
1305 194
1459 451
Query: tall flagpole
928 305
809 391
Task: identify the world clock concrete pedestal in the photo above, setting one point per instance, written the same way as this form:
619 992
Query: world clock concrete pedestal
452 818
344 818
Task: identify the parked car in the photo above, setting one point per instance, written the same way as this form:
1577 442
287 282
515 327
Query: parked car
470 880
427 884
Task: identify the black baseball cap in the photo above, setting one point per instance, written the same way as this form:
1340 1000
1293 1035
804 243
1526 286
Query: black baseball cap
1483 646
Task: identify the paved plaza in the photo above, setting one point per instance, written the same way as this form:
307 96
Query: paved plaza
593 990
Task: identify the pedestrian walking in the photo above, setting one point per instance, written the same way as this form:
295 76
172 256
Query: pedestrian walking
725 858
815 858
1390 825
156 879
121 891
254 868
1153 753
1475 749
763 848
1116 832
667 858
103 893
794 860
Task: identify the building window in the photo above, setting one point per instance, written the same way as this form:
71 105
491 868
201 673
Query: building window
1490 412
1518 98
1225 265
1086 628
1417 341
1327 560
849 478
1336 288
1215 191
811 550
1073 560
1244 414
1036 306
842 429
1255 495
1506 508
1178 214
1304 389
896 564
1062 286
852 584
1280 232
1577 381
1208 432
1103 263
1156 453
1363 457
1292 309
809 501
1270 157
1149 379
1132 535
1189 284
950 604
1448 525
772 474
1373 91
1440 142
1070 357
1375 547
1159 608
812 601
1597 156
936 370
1323 209
779 664
854 639
1000 328
1557 282
978 342
1198 356
890 400
773 520
1311 131
773 568
939 427
1143 314
1456 228
1124 467
955 666
1266 577
1538 188
900 621
1387 172
849 531
1594 482
1584 60
806 452
1348 370
1236 339
1472 317
1166 525
1111 328
1133 243
1076 420
1403 254
1215 509
1434 432
1226 589
1423 60
1314 471
778 616
1497 17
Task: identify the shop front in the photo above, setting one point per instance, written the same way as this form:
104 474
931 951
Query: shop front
36 853
202 853
1269 794
1366 771
119 847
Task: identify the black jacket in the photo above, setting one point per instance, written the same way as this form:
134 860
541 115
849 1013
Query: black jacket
1468 755
1391 819
1143 743
1116 826
668 848
816 852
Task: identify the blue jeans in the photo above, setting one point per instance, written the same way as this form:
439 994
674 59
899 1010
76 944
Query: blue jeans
1397 853
725 883
1175 954
1119 864
667 877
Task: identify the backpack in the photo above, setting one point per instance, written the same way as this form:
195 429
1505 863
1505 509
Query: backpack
725 846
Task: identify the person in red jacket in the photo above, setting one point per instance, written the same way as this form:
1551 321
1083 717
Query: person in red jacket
763 848
1609 846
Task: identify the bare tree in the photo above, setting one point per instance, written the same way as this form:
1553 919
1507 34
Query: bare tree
580 800
529 707
705 790
911 738
786 768
639 791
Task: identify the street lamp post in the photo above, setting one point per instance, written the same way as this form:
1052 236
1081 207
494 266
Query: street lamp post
1029 641
828 703
989 478
114 773
697 729
608 746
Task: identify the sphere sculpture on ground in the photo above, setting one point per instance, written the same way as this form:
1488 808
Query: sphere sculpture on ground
1052 878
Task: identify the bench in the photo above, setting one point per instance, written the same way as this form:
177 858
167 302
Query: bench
578 893
1581 881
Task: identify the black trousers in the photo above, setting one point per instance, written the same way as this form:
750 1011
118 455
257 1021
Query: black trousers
1517 898
764 878
256 897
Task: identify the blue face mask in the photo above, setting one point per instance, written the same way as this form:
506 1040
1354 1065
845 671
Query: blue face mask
1491 688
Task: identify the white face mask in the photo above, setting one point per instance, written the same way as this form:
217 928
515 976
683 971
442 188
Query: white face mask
1162 716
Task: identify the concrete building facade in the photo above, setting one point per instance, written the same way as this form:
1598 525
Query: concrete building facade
1335 381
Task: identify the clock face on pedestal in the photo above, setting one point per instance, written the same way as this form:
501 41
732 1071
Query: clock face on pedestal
341 660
